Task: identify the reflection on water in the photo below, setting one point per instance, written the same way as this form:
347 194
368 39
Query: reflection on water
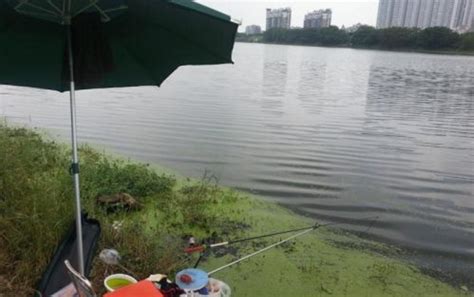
423 93
275 71
425 114
338 134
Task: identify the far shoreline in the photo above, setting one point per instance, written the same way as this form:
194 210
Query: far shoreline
420 51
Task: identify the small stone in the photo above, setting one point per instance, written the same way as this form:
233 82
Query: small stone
464 288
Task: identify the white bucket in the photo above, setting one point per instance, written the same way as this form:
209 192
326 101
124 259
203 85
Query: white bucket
218 288
117 281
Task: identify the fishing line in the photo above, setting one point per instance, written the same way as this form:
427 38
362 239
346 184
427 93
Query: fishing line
201 248
259 251
306 230
372 224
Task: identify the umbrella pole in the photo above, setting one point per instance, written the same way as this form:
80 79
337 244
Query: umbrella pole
75 159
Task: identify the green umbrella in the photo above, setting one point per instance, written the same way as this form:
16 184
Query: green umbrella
66 45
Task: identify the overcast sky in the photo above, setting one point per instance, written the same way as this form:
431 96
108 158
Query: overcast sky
344 12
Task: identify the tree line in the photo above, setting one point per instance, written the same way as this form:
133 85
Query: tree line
396 38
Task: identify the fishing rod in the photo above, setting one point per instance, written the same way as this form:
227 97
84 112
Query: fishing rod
203 247
306 230
260 251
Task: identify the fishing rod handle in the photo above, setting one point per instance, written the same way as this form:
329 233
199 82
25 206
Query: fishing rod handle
195 249
219 244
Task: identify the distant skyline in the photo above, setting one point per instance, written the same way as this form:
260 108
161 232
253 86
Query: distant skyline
345 12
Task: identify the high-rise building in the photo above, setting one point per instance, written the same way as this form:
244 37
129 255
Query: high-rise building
385 13
253 29
463 16
399 13
442 13
412 15
425 14
279 18
470 19
318 19
455 14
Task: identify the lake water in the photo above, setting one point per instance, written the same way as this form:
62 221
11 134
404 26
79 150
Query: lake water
337 134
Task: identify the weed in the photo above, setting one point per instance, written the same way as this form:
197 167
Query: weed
36 208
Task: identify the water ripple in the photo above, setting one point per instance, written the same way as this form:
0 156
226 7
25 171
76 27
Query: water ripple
335 134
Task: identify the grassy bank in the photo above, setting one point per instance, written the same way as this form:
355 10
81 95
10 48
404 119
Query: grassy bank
36 208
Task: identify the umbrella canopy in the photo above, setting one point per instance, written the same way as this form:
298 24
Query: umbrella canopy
116 43
85 44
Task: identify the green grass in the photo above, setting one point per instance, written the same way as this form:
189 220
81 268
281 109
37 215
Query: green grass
36 208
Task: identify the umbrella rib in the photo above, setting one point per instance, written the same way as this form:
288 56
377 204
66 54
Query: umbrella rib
68 9
50 2
115 9
46 16
27 3
102 12
92 3
19 5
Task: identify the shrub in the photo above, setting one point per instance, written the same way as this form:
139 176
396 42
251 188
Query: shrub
467 42
366 36
103 176
438 38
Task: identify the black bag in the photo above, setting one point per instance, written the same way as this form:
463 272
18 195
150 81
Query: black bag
56 277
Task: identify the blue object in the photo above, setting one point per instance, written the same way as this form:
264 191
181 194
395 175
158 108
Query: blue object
204 291
198 279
